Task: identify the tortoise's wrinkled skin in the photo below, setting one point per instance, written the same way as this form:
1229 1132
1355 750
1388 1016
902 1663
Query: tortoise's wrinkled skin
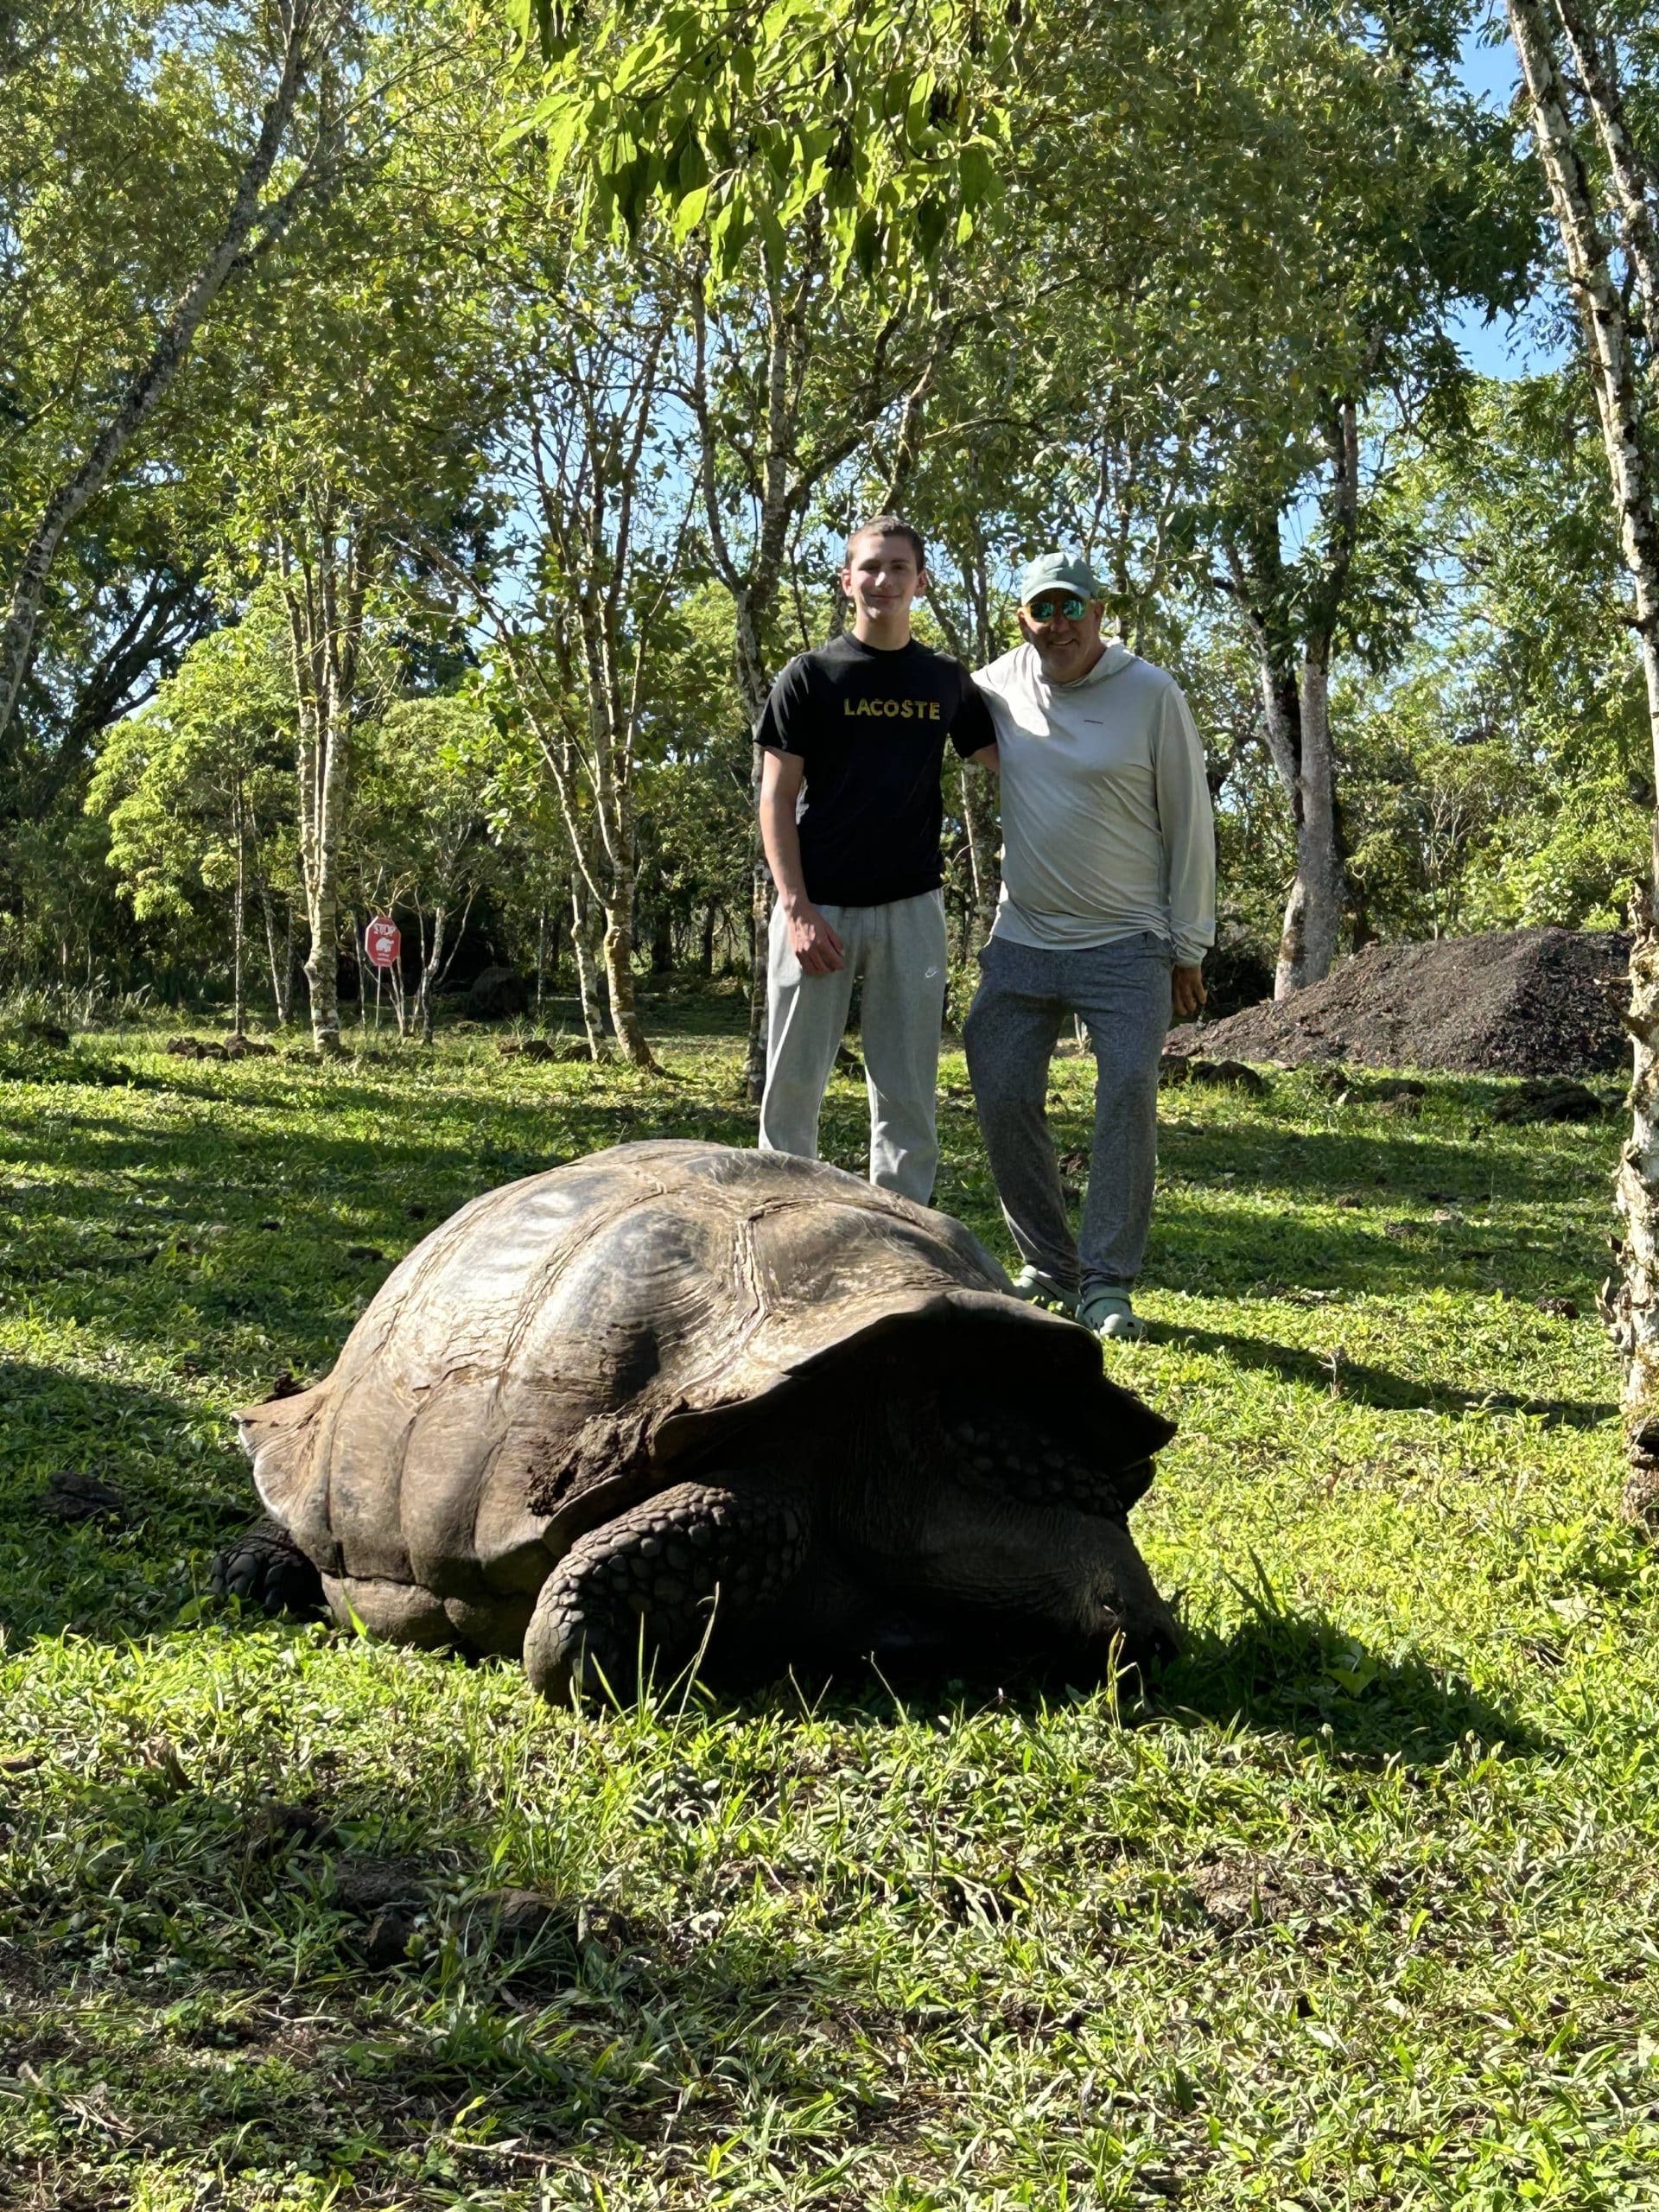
676 1398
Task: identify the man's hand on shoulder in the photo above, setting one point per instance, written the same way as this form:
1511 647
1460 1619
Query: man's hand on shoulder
1186 992
812 941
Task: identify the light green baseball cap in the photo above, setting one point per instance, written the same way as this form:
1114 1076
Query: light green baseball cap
1056 572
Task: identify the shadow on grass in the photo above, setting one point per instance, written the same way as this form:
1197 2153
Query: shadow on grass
117 1572
371 1980
1280 1673
191 1234
1380 1386
1305 1675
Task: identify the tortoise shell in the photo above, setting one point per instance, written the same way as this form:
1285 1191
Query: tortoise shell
565 1345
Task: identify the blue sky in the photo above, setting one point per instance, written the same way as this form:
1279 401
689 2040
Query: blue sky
1512 346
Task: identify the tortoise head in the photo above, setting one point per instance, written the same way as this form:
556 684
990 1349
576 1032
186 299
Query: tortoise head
1000 1573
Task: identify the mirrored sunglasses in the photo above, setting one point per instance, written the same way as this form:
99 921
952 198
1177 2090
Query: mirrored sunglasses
1045 608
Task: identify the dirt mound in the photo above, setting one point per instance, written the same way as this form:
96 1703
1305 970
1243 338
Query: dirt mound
1517 1002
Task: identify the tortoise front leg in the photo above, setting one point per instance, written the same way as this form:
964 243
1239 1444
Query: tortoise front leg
695 1551
265 1566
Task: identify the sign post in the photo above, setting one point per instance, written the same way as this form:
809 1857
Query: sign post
382 941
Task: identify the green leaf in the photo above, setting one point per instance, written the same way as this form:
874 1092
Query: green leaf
975 178
916 123
690 211
931 218
867 242
773 244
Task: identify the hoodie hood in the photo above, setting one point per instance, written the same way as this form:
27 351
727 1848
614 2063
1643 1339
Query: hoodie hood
1115 657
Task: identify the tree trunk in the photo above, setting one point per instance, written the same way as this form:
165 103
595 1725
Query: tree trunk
755 1048
619 982
615 812
1293 625
553 945
979 820
239 910
1282 722
1307 945
753 685
280 971
706 939
321 967
1630 1299
662 941
1632 175
361 984
584 945
432 967
323 590
390 979
147 389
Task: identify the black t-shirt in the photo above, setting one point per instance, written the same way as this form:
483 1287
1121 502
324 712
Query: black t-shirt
870 724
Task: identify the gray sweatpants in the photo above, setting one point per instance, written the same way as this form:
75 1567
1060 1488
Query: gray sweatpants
1026 992
899 950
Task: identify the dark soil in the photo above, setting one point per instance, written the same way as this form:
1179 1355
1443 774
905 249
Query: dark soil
1518 1002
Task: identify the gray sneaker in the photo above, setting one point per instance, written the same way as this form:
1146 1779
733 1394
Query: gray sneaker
1111 1317
1039 1289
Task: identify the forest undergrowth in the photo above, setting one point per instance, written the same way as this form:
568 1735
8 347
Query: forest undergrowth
1355 1907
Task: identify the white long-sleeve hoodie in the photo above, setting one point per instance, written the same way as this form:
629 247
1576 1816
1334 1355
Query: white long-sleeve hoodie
1107 827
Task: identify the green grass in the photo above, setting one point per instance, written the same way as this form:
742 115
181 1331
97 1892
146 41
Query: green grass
1356 1909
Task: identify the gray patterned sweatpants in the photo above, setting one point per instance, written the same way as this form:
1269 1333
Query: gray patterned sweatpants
900 952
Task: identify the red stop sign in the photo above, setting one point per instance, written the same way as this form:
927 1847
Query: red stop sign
382 941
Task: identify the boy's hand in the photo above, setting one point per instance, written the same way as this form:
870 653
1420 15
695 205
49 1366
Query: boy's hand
812 941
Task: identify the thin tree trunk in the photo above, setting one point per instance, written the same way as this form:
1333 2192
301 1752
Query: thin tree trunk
354 937
554 937
1308 946
323 959
1634 180
755 1045
1282 722
754 688
584 945
432 967
619 981
1292 648
147 389
278 975
979 820
238 922
706 940
323 593
974 645
616 814
1630 1299
282 969
662 941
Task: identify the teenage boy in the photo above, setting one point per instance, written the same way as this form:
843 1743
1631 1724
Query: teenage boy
1108 905
851 814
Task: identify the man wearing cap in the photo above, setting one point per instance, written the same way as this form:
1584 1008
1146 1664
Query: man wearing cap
1108 906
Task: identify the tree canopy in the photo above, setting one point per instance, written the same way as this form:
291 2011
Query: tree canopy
562 346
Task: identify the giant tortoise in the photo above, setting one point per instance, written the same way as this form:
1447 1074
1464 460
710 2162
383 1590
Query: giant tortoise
675 1397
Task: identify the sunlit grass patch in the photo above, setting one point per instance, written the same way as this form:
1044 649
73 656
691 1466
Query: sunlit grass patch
1354 1908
